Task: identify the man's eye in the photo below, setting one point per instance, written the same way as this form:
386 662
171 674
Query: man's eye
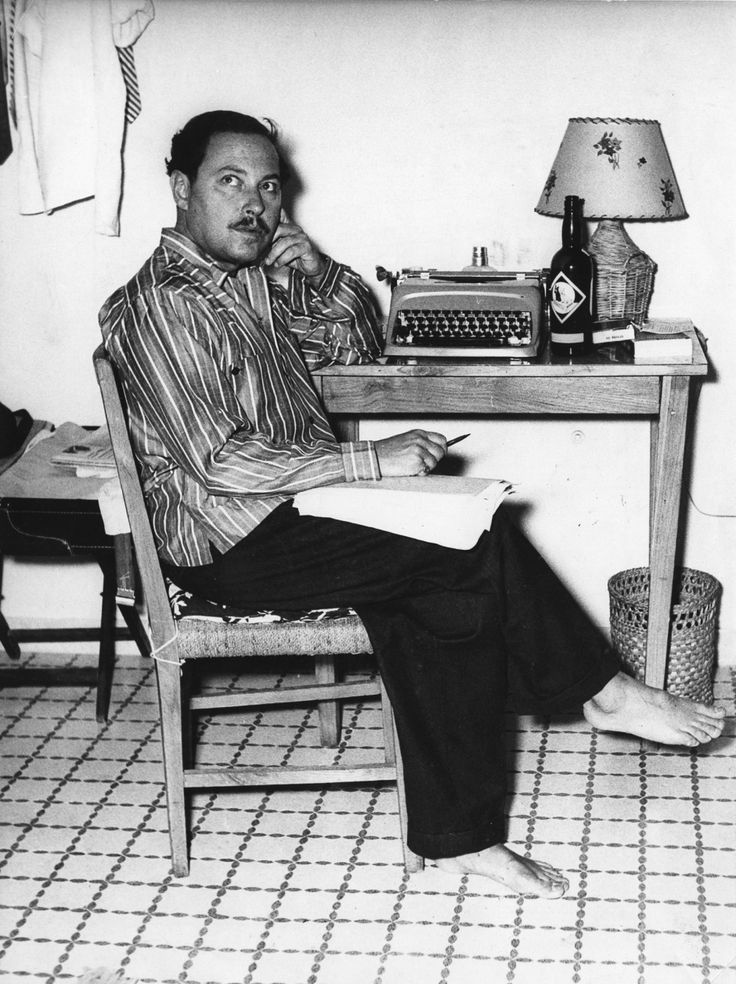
273 187
230 179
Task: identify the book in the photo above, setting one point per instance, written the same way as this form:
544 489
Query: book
612 334
92 456
664 341
449 510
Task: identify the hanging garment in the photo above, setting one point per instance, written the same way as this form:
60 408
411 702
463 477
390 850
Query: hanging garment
70 102
6 140
6 143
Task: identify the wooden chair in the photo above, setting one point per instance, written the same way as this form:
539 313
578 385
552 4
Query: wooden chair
173 643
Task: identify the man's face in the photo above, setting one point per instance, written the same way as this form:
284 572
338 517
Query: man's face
232 208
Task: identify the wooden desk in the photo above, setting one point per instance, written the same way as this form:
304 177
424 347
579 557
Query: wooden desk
548 387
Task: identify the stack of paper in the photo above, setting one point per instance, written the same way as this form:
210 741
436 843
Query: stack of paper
446 509
91 456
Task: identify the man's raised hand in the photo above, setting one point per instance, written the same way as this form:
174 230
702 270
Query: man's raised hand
292 247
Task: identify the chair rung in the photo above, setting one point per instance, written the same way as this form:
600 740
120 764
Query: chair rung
291 775
287 695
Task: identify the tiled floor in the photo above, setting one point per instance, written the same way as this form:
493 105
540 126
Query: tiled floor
307 887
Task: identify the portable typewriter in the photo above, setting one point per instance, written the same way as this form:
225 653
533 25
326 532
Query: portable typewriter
473 313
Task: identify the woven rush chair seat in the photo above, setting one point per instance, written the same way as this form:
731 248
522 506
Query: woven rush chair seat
315 632
319 631
183 629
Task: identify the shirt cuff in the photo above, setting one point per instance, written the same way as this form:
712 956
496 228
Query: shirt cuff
360 461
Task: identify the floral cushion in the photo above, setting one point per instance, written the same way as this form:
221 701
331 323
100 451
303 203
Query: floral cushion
186 605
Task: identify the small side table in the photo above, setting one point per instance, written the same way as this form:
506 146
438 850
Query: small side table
45 512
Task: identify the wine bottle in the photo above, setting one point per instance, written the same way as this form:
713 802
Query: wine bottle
570 287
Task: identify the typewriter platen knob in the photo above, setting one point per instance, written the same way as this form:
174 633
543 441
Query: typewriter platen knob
383 274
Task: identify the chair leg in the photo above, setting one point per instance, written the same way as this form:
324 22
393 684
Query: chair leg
412 862
389 729
169 696
106 660
329 710
188 724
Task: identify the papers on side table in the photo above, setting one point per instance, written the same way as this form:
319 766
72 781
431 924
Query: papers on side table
35 475
90 457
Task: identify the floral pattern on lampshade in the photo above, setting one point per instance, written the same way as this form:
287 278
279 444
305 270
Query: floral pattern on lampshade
619 167
610 146
668 194
551 182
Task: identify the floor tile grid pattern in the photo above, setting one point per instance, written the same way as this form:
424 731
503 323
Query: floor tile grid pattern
289 887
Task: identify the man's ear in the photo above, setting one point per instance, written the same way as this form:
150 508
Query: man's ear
180 189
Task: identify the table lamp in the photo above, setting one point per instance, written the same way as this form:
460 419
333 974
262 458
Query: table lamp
622 171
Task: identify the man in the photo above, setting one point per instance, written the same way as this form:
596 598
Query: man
212 339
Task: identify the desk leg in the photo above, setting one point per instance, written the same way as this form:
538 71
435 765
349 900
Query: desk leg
668 448
138 633
325 669
9 644
126 591
107 642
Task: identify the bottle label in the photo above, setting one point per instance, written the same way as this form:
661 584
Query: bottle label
565 297
567 337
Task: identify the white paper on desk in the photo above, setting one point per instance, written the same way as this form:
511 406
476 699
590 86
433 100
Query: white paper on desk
446 509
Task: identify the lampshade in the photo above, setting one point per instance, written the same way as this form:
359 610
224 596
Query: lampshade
622 171
620 168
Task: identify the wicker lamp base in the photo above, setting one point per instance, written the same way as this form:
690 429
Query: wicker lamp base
624 274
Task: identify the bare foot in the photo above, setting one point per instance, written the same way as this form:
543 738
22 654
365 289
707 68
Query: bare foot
629 706
521 875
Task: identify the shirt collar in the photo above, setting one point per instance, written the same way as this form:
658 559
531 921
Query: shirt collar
186 247
214 278
204 269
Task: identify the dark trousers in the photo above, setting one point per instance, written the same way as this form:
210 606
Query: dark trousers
455 633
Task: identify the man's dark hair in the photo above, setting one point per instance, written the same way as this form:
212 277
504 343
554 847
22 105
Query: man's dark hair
189 145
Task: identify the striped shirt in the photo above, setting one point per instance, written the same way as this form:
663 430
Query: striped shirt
224 419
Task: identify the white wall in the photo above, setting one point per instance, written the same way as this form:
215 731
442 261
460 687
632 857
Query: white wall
419 129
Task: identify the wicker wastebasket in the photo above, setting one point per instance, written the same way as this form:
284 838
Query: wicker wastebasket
693 622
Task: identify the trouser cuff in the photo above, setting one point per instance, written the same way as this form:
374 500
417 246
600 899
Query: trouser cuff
573 697
453 845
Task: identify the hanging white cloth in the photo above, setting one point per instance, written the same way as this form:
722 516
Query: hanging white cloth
70 102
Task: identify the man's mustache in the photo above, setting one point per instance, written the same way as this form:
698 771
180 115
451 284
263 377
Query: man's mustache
251 225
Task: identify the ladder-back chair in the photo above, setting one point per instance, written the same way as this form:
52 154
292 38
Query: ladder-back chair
174 643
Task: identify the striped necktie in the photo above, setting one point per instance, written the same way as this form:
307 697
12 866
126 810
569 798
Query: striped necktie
10 35
130 77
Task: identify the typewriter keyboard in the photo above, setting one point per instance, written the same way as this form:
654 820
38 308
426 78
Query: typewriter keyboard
466 329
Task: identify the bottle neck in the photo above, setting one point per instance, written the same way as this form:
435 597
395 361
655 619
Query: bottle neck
572 223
